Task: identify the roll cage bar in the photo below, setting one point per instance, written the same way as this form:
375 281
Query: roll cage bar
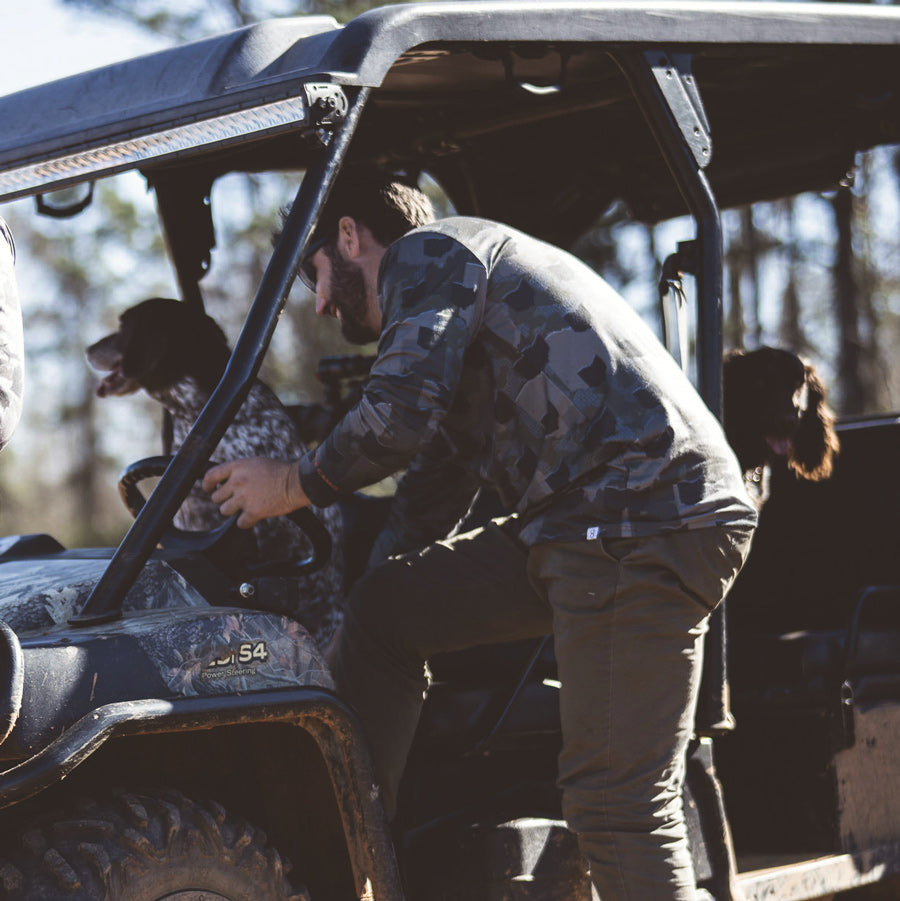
665 90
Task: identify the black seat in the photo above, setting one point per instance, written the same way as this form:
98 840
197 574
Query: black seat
491 694
819 549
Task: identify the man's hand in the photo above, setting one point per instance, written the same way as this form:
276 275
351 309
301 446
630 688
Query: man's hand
256 488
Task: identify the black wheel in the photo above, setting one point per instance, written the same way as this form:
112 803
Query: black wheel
144 848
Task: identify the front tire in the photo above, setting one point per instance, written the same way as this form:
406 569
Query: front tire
143 847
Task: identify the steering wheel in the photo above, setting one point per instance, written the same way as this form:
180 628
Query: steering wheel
186 542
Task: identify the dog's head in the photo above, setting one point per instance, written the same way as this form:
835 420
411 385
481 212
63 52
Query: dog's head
158 343
775 407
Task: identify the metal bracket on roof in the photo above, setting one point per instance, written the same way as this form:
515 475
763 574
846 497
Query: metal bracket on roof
672 73
328 107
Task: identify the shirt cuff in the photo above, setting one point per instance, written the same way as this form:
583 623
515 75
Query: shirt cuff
315 484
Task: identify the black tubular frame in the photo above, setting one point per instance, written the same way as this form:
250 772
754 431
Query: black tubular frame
665 91
664 87
105 600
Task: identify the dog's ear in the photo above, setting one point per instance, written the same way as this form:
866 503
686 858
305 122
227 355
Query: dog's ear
737 389
741 409
105 353
143 353
731 363
204 346
816 442
737 366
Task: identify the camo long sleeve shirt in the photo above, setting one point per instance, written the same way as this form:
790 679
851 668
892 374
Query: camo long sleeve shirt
12 352
506 362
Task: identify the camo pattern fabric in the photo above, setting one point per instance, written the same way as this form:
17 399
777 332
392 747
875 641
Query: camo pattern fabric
505 361
12 350
36 594
233 651
196 649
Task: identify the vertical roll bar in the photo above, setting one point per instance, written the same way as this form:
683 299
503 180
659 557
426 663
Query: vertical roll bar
664 87
186 467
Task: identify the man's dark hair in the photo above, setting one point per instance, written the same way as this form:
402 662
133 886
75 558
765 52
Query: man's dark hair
388 205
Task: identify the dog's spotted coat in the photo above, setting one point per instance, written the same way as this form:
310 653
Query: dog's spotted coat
261 428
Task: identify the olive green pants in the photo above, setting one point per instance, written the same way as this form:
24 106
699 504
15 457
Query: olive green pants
628 616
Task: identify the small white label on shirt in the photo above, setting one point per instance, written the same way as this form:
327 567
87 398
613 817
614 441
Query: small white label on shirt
593 532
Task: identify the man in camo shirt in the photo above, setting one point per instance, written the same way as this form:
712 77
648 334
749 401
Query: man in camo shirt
505 362
12 352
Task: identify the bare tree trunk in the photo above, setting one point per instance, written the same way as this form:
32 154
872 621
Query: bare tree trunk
845 301
873 368
790 330
735 334
735 325
84 479
750 248
653 278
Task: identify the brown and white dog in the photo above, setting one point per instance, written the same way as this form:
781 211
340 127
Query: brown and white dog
775 407
177 354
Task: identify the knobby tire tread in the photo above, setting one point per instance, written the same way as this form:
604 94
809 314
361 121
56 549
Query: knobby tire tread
139 847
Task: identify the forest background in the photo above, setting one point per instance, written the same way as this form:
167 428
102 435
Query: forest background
819 274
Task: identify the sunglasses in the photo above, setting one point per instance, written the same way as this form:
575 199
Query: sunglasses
307 271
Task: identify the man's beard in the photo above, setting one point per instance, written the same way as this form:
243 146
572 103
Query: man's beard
348 297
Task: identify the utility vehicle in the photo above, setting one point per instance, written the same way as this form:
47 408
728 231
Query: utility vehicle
164 738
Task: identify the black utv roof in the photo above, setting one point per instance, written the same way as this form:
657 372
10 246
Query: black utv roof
489 95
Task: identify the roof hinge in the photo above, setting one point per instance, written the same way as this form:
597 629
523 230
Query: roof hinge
672 73
328 107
